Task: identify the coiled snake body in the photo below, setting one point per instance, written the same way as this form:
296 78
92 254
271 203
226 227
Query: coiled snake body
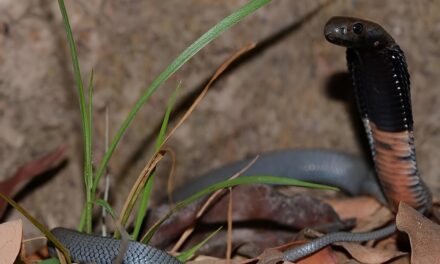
86 248
382 91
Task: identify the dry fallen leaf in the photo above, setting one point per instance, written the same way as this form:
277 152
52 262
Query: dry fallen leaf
324 255
424 235
388 243
265 205
28 172
380 218
369 255
402 260
11 235
210 260
370 214
271 256
364 205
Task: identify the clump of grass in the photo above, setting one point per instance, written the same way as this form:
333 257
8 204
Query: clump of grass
91 179
144 184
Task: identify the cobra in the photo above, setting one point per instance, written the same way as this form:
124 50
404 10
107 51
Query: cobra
382 90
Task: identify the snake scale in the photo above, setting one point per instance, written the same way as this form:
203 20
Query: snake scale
382 91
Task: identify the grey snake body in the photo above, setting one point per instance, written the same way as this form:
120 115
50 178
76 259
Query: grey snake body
350 173
85 248
382 91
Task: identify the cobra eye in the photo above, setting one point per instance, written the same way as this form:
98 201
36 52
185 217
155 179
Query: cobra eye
358 28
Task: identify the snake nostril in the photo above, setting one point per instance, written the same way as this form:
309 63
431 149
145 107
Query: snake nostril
330 36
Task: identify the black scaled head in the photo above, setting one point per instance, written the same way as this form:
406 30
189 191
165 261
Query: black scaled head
356 33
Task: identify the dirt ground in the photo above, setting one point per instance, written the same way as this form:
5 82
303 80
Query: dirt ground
291 93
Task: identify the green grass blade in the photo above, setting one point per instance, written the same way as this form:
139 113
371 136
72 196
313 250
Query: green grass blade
104 204
145 199
50 261
82 104
188 53
88 162
187 254
38 225
263 179
149 185
166 119
82 220
230 183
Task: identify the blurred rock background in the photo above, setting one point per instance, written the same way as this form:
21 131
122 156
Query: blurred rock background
291 93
